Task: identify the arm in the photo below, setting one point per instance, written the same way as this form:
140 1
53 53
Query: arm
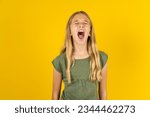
103 83
57 79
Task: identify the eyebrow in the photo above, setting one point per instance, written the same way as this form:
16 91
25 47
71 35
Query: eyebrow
77 21
86 20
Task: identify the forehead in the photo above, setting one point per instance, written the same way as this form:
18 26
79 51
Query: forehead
80 17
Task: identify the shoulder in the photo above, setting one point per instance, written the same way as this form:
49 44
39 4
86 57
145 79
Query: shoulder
103 54
103 57
60 57
58 62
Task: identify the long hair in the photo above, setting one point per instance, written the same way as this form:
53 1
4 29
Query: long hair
95 67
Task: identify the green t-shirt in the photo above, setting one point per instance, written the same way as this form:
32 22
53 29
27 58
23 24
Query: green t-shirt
81 88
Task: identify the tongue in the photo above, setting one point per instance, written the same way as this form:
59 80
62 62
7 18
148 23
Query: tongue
81 36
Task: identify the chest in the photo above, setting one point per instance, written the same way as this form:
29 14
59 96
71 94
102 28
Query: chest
80 70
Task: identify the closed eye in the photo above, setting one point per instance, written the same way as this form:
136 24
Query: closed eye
85 22
76 22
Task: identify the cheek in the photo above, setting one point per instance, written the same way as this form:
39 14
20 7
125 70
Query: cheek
73 29
88 30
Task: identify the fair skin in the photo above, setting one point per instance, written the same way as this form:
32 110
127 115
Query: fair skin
103 83
80 24
57 79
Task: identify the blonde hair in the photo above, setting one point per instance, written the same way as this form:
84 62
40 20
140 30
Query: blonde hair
95 67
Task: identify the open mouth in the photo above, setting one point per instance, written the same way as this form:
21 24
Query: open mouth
81 35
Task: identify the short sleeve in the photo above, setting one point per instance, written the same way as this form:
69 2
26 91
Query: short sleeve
56 64
103 58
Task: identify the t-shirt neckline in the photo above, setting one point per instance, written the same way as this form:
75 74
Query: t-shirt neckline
82 58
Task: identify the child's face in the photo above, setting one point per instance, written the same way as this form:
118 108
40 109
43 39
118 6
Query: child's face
80 29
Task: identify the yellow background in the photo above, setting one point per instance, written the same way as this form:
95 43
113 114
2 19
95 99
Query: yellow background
32 33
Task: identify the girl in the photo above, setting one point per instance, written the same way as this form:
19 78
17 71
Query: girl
80 65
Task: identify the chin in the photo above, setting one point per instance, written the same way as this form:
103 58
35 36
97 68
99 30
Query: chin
81 42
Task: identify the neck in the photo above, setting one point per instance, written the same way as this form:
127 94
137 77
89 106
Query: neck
81 50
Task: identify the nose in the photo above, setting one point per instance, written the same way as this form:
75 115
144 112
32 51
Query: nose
81 25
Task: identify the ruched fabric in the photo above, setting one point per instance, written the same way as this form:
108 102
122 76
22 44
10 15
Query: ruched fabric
81 87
